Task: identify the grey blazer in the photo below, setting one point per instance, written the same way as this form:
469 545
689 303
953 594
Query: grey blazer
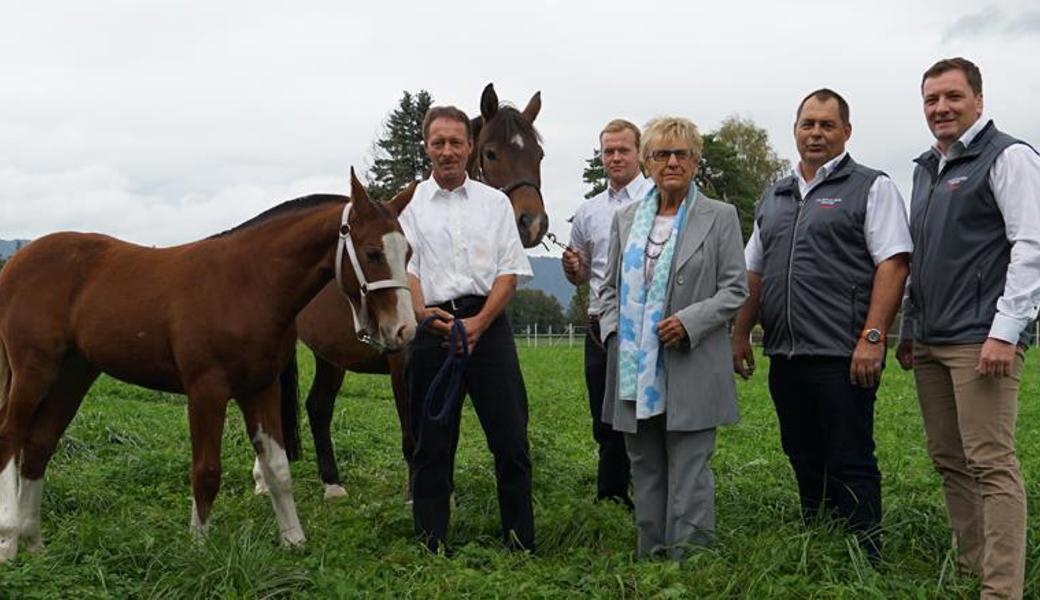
706 287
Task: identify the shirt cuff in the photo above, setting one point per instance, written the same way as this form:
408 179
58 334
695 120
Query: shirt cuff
1007 328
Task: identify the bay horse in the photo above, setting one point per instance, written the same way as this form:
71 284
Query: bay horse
213 319
507 155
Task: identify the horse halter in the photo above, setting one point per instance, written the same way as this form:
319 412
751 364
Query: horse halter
508 188
364 285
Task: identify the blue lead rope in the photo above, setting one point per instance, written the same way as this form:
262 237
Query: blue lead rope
450 374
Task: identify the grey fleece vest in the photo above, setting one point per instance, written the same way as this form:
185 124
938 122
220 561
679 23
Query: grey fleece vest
817 273
961 252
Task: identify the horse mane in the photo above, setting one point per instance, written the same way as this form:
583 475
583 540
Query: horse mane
508 122
289 206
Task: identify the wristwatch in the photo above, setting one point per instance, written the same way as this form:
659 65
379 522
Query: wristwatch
873 336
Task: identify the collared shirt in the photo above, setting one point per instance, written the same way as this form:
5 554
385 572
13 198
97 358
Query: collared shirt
1015 181
885 226
590 230
462 240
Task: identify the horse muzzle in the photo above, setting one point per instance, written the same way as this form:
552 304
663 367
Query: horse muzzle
532 228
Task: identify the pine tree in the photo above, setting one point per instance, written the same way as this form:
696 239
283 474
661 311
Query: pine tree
594 174
398 156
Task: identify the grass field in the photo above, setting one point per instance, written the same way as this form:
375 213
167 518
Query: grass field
116 510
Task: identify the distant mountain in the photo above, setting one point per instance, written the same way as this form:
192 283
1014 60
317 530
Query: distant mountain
8 247
548 277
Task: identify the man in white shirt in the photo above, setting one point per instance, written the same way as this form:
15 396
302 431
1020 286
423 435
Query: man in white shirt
585 261
974 288
466 258
826 264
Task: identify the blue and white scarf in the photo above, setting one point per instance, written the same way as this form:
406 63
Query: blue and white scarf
640 365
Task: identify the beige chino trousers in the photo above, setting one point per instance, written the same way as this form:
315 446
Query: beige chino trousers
969 420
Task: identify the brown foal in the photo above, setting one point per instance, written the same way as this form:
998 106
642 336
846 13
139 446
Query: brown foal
214 319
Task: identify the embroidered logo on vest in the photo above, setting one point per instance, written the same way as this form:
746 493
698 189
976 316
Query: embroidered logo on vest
828 202
954 183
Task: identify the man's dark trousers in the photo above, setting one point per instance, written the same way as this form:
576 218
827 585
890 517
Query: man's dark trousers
827 432
494 382
613 473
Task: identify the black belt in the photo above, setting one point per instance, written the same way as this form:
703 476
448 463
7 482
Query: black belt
463 306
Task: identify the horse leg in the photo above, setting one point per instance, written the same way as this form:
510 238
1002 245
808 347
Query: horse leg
404 414
321 401
51 420
207 411
263 418
28 385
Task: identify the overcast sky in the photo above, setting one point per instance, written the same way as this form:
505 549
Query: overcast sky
161 122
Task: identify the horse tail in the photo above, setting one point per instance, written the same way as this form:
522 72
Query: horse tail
289 382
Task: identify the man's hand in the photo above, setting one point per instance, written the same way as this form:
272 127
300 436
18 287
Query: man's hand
441 325
905 354
572 264
996 358
865 370
475 327
743 356
671 331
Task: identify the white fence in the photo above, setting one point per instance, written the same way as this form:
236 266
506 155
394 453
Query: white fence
533 336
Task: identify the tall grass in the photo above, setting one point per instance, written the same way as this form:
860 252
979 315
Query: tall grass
116 510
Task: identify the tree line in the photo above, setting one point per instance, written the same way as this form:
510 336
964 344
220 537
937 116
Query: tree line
737 163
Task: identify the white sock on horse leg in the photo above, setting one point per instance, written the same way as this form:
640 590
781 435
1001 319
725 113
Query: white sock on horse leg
30 497
258 477
198 527
8 511
275 465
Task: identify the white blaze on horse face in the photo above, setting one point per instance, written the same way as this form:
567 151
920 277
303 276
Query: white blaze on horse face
275 466
8 511
395 246
30 496
518 141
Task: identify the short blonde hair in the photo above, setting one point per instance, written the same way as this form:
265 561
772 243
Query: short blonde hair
670 128
619 125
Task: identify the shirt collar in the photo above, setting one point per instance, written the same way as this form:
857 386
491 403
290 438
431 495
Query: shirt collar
463 190
822 172
963 142
632 189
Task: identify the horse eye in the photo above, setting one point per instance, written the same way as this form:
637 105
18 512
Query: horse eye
490 154
373 254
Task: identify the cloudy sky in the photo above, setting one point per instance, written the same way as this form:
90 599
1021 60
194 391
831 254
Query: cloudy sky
161 122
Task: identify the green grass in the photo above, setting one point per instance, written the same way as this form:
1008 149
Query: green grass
116 510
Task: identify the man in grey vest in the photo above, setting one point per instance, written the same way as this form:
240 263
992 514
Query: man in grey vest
826 265
975 286
586 261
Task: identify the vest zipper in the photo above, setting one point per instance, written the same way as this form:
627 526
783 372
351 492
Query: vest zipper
978 293
790 266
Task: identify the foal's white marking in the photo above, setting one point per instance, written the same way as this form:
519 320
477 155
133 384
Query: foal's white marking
8 511
275 466
395 245
198 528
518 141
258 477
30 496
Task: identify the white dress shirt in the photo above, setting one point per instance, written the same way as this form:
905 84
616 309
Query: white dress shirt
1015 181
462 240
590 230
885 225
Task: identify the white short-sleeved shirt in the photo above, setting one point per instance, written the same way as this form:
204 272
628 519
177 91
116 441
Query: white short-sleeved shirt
886 226
462 240
590 230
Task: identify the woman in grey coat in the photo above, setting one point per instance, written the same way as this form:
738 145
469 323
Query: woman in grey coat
675 279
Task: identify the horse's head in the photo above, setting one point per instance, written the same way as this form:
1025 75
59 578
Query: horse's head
371 269
508 156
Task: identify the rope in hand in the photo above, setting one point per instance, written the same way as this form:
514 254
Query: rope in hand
449 375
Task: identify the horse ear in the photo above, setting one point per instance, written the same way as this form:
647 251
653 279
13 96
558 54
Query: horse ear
358 195
475 125
401 200
488 102
533 106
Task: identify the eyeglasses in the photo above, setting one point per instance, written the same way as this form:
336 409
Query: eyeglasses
664 154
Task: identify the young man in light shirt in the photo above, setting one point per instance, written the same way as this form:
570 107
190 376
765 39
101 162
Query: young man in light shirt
585 261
